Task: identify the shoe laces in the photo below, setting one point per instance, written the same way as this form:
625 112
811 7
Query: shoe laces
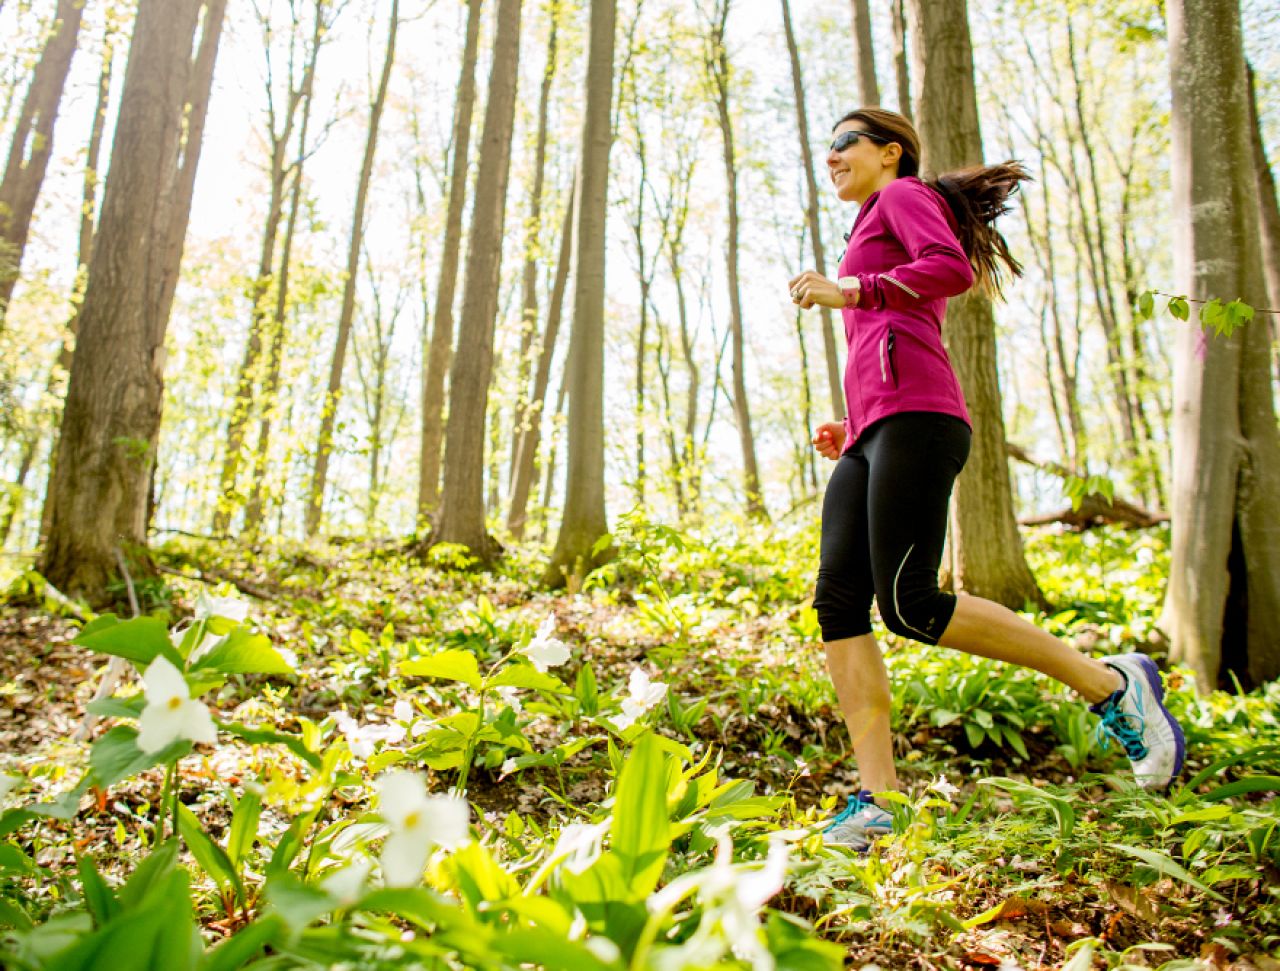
855 805
1125 728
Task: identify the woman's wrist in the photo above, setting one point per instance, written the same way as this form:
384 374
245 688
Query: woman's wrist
850 290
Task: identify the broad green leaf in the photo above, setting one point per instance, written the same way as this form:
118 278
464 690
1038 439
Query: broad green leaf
139 640
1146 304
265 736
98 898
212 858
246 943
116 756
295 902
1179 307
244 825
148 874
451 665
641 835
587 691
527 676
1168 867
243 652
118 707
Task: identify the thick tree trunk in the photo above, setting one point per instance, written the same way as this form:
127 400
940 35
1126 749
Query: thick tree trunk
530 433
1223 605
864 58
718 69
333 394
829 345
584 519
33 144
461 517
111 421
1269 213
440 350
986 547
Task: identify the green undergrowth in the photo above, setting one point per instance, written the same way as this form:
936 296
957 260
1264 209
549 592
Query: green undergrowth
644 764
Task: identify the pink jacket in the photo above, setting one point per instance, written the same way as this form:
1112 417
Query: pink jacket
906 256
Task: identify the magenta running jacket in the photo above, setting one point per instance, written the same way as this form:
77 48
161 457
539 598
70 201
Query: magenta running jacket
906 256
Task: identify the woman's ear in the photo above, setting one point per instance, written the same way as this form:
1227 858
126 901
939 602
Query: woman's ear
891 154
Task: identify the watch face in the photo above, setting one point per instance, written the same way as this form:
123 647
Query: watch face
848 283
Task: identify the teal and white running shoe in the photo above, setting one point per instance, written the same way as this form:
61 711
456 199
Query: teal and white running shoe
1135 716
859 824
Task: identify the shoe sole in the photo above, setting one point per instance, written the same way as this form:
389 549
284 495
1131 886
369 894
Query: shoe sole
1157 686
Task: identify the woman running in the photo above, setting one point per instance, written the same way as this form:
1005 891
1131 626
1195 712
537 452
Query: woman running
904 440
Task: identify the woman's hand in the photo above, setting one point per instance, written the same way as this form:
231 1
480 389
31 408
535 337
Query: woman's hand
828 439
813 289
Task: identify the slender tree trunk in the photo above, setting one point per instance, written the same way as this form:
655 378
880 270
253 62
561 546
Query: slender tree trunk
829 344
530 434
901 73
549 476
987 547
461 517
1270 215
533 233
33 144
111 421
1223 605
864 57
584 519
440 351
717 62
333 395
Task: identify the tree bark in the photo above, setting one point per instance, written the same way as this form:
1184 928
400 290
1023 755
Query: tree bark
530 433
1223 605
901 73
829 344
111 421
333 395
864 58
584 519
1269 214
461 518
986 547
717 62
440 350
33 144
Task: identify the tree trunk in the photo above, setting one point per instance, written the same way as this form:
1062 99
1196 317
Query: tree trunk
254 510
33 144
1270 214
530 434
987 549
333 395
440 351
829 344
260 320
864 55
111 421
717 62
1223 605
584 519
533 233
901 74
461 516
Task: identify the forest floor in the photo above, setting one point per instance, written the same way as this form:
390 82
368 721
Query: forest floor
1019 842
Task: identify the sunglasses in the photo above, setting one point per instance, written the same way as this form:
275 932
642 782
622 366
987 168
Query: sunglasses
850 138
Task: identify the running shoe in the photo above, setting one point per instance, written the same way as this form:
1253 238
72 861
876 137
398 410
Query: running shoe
859 824
1135 716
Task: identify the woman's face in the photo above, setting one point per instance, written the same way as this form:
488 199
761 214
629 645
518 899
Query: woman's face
862 166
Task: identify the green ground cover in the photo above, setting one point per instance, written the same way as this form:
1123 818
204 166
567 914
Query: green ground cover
643 764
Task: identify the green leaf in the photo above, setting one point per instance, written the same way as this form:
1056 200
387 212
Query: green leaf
296 903
243 652
98 898
527 676
265 736
1146 304
244 944
212 858
140 640
244 825
1179 307
148 874
1253 783
587 691
451 665
1168 867
101 622
116 756
118 707
641 834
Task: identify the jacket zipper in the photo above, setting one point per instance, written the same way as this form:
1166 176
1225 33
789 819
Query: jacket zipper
893 360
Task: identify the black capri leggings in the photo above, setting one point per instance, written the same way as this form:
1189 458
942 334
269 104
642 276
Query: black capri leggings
884 521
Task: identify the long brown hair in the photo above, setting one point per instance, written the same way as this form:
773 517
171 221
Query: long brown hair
977 196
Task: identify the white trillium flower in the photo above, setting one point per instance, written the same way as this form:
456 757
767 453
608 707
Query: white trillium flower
944 788
229 608
508 767
346 884
642 695
417 821
511 696
171 714
8 782
402 711
544 650
580 844
361 739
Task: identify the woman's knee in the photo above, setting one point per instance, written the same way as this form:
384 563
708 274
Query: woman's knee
918 614
842 611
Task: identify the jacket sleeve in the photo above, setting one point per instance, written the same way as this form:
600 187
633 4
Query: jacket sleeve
938 267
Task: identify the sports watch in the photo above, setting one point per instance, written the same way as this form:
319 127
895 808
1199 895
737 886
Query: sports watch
851 289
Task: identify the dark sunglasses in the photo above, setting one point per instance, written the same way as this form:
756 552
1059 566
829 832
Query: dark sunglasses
850 138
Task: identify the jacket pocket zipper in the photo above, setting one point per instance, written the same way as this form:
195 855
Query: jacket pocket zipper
893 360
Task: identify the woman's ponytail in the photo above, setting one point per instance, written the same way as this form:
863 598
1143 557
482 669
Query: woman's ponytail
977 196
